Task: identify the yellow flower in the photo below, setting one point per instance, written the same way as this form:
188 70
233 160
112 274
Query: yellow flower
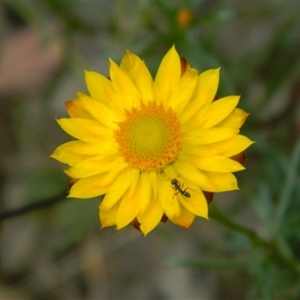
157 149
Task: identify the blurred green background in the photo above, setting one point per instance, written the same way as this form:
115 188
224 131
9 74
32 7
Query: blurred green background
57 251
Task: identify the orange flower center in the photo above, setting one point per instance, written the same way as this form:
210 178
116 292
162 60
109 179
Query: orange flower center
150 138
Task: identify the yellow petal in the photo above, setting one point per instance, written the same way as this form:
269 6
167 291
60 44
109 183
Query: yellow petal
127 211
184 90
169 172
168 76
189 150
144 192
124 86
216 164
143 189
92 166
88 188
117 189
195 202
194 114
227 148
191 173
75 151
185 219
153 179
65 153
89 131
129 208
139 74
235 120
233 146
208 136
95 185
219 110
151 217
83 148
207 86
165 196
75 109
99 86
109 217
222 181
100 112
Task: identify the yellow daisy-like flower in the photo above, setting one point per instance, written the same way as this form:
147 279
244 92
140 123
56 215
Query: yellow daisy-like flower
157 149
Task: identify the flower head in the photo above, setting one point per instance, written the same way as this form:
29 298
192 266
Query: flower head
156 149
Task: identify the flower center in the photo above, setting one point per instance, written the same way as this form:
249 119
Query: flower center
150 138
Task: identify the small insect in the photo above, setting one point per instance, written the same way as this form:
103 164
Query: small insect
180 188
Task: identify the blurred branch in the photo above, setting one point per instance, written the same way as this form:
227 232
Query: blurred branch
288 110
33 206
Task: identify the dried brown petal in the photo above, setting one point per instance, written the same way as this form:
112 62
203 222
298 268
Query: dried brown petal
209 196
240 157
184 65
